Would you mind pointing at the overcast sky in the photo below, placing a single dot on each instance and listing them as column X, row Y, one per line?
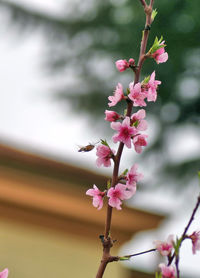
column 29, row 118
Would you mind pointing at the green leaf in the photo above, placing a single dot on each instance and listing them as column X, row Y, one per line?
column 125, row 172
column 158, row 275
column 135, row 123
column 177, row 244
column 127, row 91
column 156, row 45
column 153, row 15
column 146, row 80
column 104, row 142
column 125, row 112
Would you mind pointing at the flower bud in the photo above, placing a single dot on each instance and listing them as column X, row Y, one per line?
column 121, row 65
column 111, row 116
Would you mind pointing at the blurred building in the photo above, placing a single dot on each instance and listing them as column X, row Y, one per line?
column 49, row 228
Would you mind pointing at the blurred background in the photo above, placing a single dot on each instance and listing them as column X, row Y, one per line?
column 57, row 70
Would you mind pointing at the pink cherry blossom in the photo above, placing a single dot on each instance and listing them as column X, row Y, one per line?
column 118, row 95
column 195, row 237
column 160, row 55
column 139, row 141
column 4, row 273
column 133, row 176
column 138, row 118
column 111, row 116
column 116, row 195
column 122, row 65
column 131, row 190
column 167, row 271
column 104, row 154
column 136, row 94
column 97, row 197
column 152, row 87
column 164, row 247
column 125, row 132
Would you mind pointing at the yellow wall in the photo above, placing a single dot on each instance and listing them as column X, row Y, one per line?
column 30, row 252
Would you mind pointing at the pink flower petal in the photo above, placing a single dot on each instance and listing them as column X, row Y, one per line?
column 4, row 273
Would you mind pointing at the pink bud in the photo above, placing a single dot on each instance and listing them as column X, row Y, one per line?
column 121, row 65
column 111, row 116
column 131, row 62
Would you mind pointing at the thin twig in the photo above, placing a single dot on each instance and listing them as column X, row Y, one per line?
column 143, row 3
column 177, row 266
column 151, row 3
column 192, row 217
column 187, row 227
column 140, row 253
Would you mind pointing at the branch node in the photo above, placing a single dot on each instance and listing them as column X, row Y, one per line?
column 148, row 10
column 147, row 27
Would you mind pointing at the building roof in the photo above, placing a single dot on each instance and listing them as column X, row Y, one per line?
column 41, row 191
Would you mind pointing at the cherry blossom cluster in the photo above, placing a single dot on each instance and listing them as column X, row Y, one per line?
column 128, row 128
column 137, row 93
column 121, row 191
column 168, row 248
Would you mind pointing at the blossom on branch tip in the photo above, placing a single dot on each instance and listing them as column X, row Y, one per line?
column 4, row 273
column 111, row 116
column 195, row 237
column 118, row 95
column 160, row 55
column 167, row 271
column 164, row 247
column 137, row 120
column 104, row 154
column 139, row 141
column 133, row 176
column 97, row 197
column 125, row 132
column 116, row 195
column 136, row 94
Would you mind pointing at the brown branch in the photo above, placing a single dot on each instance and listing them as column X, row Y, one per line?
column 148, row 12
column 107, row 241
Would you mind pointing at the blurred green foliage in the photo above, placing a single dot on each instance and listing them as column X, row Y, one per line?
column 88, row 36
